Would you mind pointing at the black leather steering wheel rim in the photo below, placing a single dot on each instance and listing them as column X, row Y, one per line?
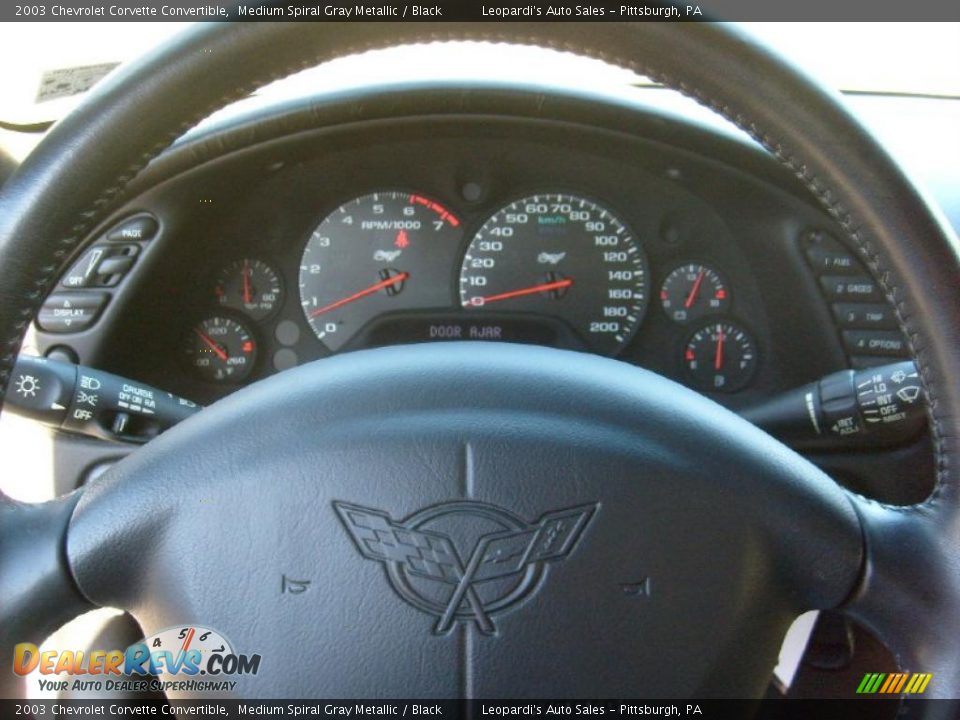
column 910, row 588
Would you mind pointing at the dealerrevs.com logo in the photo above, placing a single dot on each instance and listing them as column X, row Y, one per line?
column 186, row 659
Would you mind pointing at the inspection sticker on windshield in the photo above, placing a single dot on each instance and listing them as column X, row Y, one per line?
column 65, row 82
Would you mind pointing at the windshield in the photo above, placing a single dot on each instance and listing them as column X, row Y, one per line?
column 55, row 63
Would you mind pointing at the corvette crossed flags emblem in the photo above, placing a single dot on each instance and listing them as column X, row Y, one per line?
column 416, row 554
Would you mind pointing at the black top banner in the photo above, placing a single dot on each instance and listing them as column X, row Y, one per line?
column 483, row 11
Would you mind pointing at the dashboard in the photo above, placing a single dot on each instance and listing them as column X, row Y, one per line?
column 433, row 215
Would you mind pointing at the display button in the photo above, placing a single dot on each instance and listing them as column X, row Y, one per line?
column 855, row 288
column 875, row 342
column 70, row 312
column 865, row 315
column 142, row 227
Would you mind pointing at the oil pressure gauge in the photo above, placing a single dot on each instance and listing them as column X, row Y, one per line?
column 720, row 356
column 249, row 286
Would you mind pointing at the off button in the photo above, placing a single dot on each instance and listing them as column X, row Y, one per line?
column 70, row 312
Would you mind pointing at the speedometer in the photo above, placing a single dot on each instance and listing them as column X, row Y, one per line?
column 564, row 257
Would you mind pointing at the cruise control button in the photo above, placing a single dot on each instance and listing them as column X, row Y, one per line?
column 854, row 288
column 865, row 315
column 827, row 255
column 70, row 312
column 875, row 342
column 113, row 269
column 84, row 271
column 125, row 251
column 101, row 266
column 142, row 227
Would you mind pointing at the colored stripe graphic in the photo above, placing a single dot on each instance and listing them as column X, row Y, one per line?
column 918, row 683
column 894, row 683
column 891, row 679
column 869, row 683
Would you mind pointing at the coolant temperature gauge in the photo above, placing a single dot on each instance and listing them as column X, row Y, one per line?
column 220, row 349
column 720, row 357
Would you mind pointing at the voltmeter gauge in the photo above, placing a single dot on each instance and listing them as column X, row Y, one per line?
column 720, row 356
column 251, row 287
column 694, row 291
column 220, row 350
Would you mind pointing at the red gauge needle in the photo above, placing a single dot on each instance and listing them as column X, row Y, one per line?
column 247, row 295
column 398, row 278
column 532, row 290
column 692, row 297
column 187, row 640
column 218, row 351
column 718, row 358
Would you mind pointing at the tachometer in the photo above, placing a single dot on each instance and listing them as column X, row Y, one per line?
column 561, row 256
column 379, row 253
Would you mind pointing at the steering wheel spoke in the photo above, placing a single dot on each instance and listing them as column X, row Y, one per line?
column 908, row 590
column 36, row 584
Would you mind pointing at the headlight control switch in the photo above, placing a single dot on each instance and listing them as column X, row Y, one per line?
column 92, row 402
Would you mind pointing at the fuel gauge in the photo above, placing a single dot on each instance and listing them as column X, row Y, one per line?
column 720, row 357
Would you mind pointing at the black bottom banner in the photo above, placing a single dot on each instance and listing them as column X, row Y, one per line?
column 873, row 709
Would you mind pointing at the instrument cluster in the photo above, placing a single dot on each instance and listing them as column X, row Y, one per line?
column 552, row 267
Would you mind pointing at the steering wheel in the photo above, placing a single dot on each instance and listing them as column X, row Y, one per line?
column 464, row 520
